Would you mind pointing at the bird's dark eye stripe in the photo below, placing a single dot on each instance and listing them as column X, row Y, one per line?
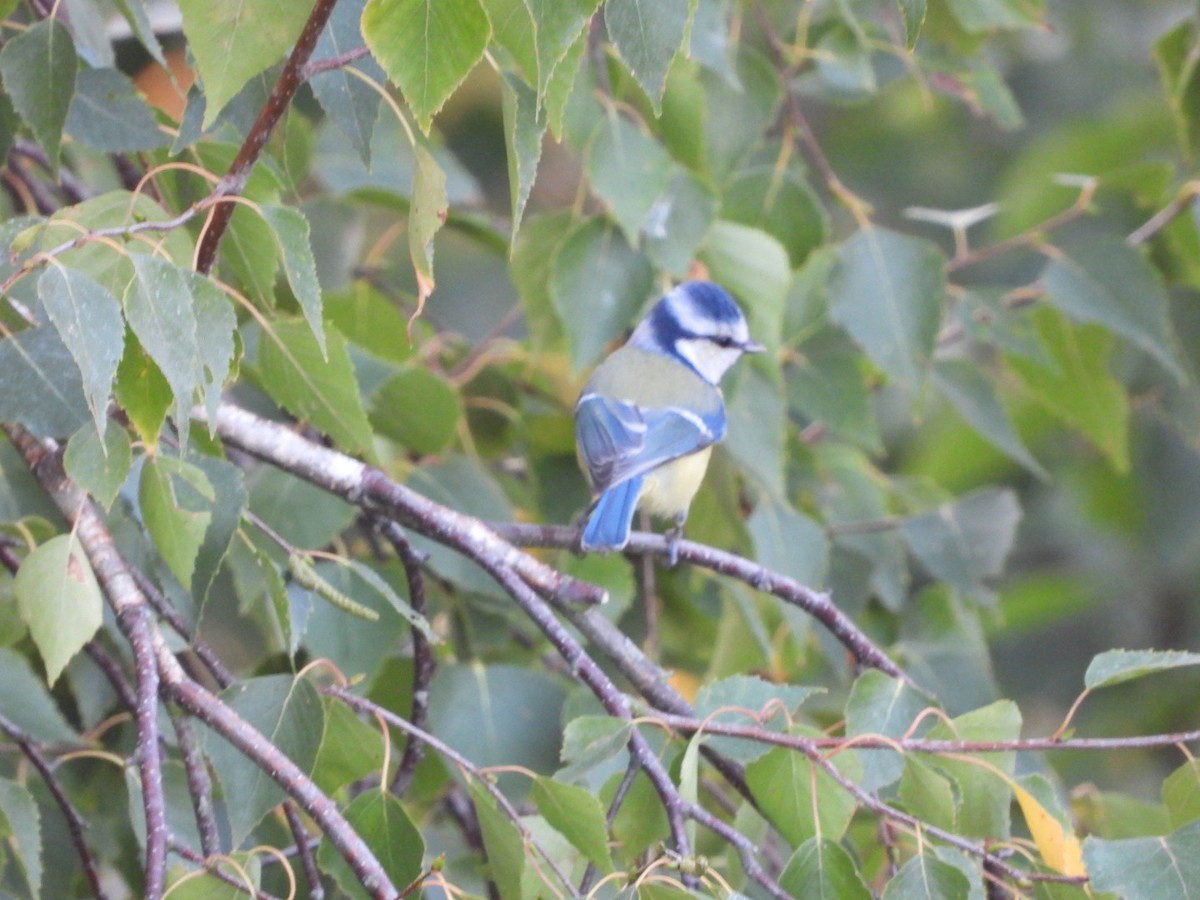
column 722, row 340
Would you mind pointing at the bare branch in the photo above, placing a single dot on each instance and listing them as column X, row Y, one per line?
column 234, row 181
column 75, row 824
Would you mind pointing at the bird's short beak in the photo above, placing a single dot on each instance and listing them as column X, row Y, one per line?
column 753, row 347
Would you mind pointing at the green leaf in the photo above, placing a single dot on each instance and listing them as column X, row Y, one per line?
column 757, row 422
column 229, row 502
column 524, row 127
column 1104, row 280
column 789, row 542
column 711, row 43
column 378, row 817
column 648, row 34
column 215, row 325
column 369, row 320
column 852, row 492
column 972, row 393
column 134, row 12
column 426, row 216
column 27, row 701
column 913, row 13
column 882, row 705
column 417, row 409
column 827, row 384
column 59, row 600
column 288, row 712
column 1077, row 387
column 928, row 794
column 427, row 47
column 741, row 696
column 628, row 169
column 781, row 205
column 577, row 815
column 38, row 68
column 351, row 103
column 143, row 392
column 23, row 832
column 925, row 877
column 821, row 869
column 599, row 282
column 985, row 800
column 290, row 228
column 1181, row 793
column 560, row 89
column 1175, row 53
column 350, row 748
column 591, row 741
column 498, row 714
column 754, row 267
column 176, row 500
column 800, row 798
column 514, row 32
column 466, row 485
column 234, row 40
column 41, row 387
column 1117, row 666
column 734, row 115
column 98, row 464
column 158, row 307
column 541, row 34
column 986, row 15
column 887, row 291
column 1146, row 868
column 678, row 222
column 108, row 113
column 965, row 543
column 502, row 842
column 315, row 386
column 88, row 319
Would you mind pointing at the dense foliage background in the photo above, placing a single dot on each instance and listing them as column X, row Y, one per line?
column 297, row 299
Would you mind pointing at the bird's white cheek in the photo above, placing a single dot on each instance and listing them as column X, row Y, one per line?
column 710, row 360
column 669, row 489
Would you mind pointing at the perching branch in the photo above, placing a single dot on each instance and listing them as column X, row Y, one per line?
column 816, row 603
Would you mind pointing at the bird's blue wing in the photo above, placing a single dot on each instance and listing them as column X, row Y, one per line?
column 619, row 440
column 610, row 521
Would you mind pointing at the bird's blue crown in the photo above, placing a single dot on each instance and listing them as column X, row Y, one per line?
column 689, row 311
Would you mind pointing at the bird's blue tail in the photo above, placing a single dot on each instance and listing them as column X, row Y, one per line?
column 608, row 527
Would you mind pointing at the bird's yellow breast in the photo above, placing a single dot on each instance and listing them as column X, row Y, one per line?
column 669, row 489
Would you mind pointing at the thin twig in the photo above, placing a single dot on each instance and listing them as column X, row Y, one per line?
column 317, row 66
column 196, row 700
column 234, row 181
column 199, row 785
column 75, row 823
column 213, row 868
column 424, row 664
column 362, row 705
column 304, row 850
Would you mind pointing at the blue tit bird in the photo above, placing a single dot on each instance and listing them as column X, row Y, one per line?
column 646, row 421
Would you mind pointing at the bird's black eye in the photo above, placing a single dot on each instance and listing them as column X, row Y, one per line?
column 724, row 341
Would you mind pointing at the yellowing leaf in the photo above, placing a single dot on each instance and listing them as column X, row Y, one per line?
column 1059, row 848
